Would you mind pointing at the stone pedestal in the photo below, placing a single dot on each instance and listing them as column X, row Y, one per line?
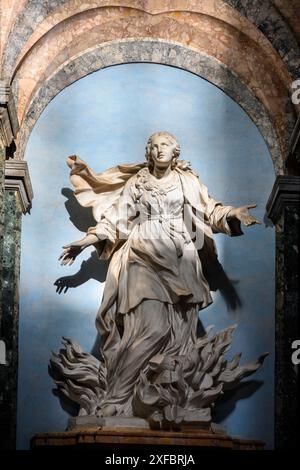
column 141, row 440
column 94, row 422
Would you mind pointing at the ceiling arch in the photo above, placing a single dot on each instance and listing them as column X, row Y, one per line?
column 256, row 41
column 147, row 50
column 261, row 73
column 35, row 18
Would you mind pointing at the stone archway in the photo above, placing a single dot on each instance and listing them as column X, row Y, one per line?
column 153, row 51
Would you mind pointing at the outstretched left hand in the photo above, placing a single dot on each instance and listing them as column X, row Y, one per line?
column 243, row 214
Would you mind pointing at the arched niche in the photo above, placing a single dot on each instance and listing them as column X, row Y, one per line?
column 66, row 312
column 160, row 52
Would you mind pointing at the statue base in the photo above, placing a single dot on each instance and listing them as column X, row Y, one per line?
column 139, row 439
column 95, row 422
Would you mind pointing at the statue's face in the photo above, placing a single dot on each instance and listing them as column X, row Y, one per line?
column 162, row 151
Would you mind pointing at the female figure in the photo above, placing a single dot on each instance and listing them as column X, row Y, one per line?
column 153, row 218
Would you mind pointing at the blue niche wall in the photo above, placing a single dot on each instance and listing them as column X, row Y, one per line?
column 106, row 118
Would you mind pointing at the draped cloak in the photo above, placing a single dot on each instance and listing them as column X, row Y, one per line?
column 170, row 277
column 100, row 191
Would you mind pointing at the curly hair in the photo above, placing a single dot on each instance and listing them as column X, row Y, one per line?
column 171, row 139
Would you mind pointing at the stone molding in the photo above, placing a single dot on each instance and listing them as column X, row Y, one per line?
column 6, row 135
column 17, row 178
column 142, row 439
column 295, row 141
column 286, row 191
column 9, row 125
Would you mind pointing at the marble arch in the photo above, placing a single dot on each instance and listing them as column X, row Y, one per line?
column 148, row 50
column 60, row 32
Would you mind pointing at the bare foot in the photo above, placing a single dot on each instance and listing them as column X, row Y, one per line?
column 108, row 410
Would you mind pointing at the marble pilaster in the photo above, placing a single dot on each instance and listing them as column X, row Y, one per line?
column 2, row 179
column 283, row 210
column 10, row 316
column 3, row 367
column 16, row 199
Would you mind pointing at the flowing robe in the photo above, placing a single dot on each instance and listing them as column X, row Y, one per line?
column 155, row 284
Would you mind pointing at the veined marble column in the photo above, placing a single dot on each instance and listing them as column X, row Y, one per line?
column 15, row 199
column 2, row 172
column 283, row 210
column 3, row 366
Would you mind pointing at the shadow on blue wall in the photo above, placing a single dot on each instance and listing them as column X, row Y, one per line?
column 227, row 404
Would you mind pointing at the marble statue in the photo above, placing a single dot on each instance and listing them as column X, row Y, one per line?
column 153, row 220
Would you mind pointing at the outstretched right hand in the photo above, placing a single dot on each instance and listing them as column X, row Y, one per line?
column 71, row 252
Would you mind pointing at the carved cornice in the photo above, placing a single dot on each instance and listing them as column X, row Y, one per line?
column 6, row 135
column 9, row 125
column 17, row 178
column 285, row 192
column 295, row 141
column 4, row 92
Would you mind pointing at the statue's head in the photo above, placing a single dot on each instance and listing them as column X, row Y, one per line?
column 162, row 149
